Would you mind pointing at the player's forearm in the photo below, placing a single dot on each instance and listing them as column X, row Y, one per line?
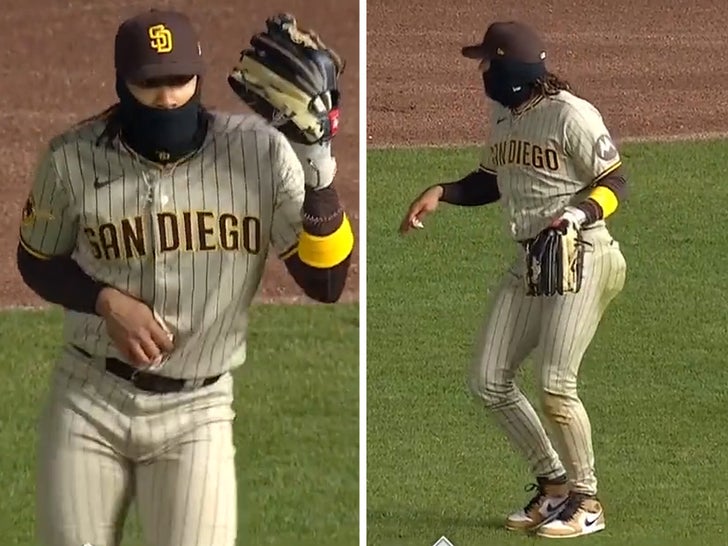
column 604, row 199
column 59, row 280
column 320, row 262
column 476, row 189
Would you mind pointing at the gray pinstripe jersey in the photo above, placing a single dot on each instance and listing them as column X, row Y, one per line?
column 547, row 157
column 190, row 239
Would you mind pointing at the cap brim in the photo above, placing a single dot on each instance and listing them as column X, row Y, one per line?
column 474, row 52
column 163, row 70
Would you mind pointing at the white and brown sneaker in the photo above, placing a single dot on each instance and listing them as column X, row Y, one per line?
column 546, row 504
column 582, row 515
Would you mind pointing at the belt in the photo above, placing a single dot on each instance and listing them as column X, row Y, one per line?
column 150, row 382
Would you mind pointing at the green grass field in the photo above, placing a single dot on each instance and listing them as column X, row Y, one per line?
column 655, row 380
column 297, row 429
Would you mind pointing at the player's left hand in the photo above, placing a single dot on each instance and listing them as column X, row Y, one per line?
column 290, row 77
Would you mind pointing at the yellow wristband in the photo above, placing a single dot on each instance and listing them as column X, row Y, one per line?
column 327, row 251
column 606, row 199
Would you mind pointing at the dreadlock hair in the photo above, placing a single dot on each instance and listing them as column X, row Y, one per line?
column 550, row 84
column 113, row 123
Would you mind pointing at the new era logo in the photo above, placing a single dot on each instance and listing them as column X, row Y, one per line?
column 443, row 541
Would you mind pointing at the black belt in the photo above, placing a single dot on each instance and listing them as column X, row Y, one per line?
column 150, row 382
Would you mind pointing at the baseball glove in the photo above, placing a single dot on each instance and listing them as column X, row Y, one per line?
column 290, row 77
column 554, row 261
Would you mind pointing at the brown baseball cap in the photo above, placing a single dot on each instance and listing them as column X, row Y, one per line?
column 509, row 40
column 155, row 44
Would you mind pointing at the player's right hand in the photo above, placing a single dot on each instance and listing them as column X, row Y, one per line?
column 426, row 203
column 132, row 327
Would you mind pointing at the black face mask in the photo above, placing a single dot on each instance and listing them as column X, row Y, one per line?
column 511, row 83
column 159, row 134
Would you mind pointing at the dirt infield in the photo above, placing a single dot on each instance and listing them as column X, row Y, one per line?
column 57, row 67
column 646, row 65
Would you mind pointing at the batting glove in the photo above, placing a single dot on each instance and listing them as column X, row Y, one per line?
column 571, row 216
column 319, row 166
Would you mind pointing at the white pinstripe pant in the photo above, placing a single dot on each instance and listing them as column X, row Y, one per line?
column 557, row 331
column 103, row 443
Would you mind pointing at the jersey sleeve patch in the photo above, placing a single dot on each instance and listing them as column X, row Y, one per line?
column 31, row 213
column 28, row 213
column 48, row 223
column 605, row 148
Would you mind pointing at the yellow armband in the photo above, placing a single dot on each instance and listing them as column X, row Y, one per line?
column 606, row 199
column 329, row 250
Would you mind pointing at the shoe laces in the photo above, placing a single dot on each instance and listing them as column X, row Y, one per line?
column 573, row 504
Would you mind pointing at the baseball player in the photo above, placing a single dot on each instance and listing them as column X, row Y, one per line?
column 151, row 224
column 551, row 164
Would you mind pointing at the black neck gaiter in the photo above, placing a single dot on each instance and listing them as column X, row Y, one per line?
column 161, row 135
column 511, row 83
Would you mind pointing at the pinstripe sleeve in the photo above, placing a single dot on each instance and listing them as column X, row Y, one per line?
column 48, row 226
column 588, row 142
column 486, row 161
column 487, row 153
column 289, row 194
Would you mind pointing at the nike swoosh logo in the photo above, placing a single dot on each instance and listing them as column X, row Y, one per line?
column 551, row 508
column 590, row 522
column 101, row 183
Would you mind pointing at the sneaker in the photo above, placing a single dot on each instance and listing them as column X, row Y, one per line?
column 546, row 504
column 582, row 515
